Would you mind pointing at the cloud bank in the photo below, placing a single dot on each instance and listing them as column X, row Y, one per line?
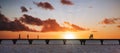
column 49, row 25
column 16, row 25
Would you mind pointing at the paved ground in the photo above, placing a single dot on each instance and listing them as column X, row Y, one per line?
column 58, row 47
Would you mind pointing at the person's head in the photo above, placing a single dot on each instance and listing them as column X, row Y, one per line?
column 91, row 34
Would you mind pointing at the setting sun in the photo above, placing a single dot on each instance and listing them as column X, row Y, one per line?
column 69, row 35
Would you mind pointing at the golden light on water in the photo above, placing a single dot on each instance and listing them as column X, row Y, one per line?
column 69, row 35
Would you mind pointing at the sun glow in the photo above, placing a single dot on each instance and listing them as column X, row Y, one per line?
column 69, row 35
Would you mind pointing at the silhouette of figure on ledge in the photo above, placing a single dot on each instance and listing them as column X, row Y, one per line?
column 19, row 36
column 91, row 36
column 27, row 36
column 37, row 36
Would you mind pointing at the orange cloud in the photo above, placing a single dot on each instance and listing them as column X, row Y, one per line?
column 73, row 27
column 118, row 26
column 51, row 25
column 77, row 28
column 110, row 21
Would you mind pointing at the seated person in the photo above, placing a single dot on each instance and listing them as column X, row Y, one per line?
column 91, row 36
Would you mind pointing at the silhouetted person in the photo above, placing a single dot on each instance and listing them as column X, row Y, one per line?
column 28, row 36
column 37, row 36
column 91, row 36
column 19, row 36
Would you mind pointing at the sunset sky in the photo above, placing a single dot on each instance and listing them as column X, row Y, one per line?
column 100, row 17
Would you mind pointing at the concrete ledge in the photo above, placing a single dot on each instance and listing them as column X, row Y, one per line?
column 56, row 42
column 38, row 42
column 65, row 41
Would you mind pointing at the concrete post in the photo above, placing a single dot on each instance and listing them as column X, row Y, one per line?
column 101, row 42
column 64, row 42
column 14, row 41
column 47, row 41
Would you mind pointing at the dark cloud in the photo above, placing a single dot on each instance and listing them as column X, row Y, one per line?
column 110, row 21
column 16, row 25
column 31, row 20
column 44, row 5
column 23, row 9
column 66, row 2
column 3, row 18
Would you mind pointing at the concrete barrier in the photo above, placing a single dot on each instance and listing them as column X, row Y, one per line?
column 47, row 41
